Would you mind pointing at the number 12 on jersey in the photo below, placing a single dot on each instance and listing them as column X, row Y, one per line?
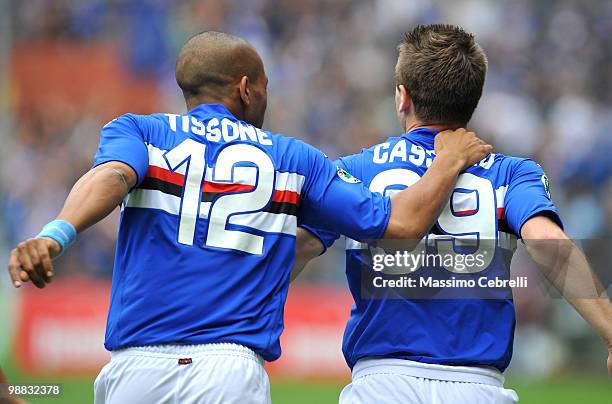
column 193, row 154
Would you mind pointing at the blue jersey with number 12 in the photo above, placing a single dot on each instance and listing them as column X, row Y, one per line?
column 207, row 235
column 492, row 200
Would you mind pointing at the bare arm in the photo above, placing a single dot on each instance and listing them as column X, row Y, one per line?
column 96, row 194
column 307, row 247
column 416, row 209
column 566, row 267
column 421, row 213
column 93, row 197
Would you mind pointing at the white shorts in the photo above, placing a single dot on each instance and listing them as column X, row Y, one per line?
column 399, row 381
column 185, row 374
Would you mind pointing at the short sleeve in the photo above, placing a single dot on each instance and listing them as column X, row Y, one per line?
column 328, row 238
column 528, row 195
column 337, row 202
column 122, row 140
column 351, row 164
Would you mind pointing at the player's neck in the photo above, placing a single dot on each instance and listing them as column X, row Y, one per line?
column 231, row 107
column 410, row 126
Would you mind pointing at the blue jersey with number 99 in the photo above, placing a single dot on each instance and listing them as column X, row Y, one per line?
column 207, row 236
column 436, row 319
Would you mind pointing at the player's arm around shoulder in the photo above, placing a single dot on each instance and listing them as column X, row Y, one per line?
column 95, row 195
column 416, row 209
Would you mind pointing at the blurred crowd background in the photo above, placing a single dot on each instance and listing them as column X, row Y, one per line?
column 67, row 67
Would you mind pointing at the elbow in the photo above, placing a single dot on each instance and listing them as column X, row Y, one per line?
column 118, row 173
column 541, row 227
column 416, row 234
column 404, row 230
column 309, row 249
column 114, row 178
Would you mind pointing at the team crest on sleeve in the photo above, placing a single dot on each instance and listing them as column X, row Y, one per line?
column 546, row 184
column 346, row 177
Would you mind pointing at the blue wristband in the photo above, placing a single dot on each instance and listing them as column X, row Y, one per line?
column 61, row 231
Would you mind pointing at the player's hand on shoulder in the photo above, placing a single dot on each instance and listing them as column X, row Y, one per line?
column 461, row 145
column 31, row 261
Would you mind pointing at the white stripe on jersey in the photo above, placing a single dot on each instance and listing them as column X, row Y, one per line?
column 289, row 182
column 153, row 199
column 242, row 175
column 500, row 195
column 267, row 222
column 263, row 221
column 156, row 158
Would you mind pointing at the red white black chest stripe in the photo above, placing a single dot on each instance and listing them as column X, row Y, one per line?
column 162, row 189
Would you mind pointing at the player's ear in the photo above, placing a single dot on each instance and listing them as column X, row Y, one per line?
column 404, row 101
column 245, row 92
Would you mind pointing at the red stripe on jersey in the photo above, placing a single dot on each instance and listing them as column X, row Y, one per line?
column 500, row 213
column 466, row 212
column 286, row 196
column 220, row 187
column 166, row 175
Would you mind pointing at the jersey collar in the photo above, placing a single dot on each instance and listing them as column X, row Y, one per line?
column 204, row 111
column 424, row 134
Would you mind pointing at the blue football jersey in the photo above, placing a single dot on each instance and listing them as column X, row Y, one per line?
column 491, row 201
column 207, row 236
